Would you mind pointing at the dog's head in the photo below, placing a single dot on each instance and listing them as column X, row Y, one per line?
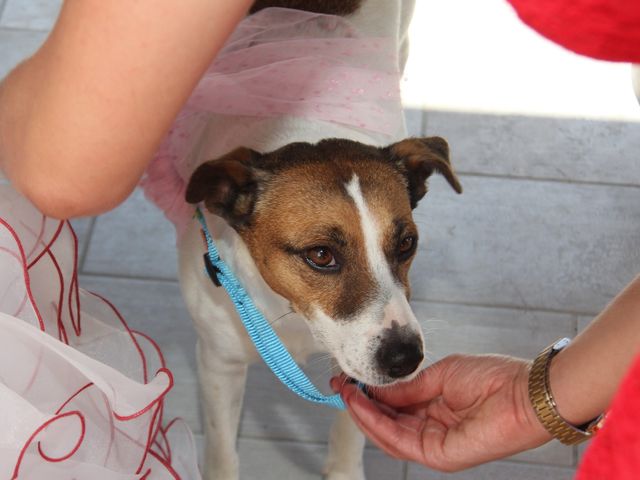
column 330, row 228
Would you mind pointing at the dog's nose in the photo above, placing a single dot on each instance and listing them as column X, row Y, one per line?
column 398, row 356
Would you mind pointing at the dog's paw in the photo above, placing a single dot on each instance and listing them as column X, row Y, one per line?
column 355, row 475
column 221, row 474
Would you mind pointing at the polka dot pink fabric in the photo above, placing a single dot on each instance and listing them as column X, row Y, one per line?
column 283, row 62
column 267, row 69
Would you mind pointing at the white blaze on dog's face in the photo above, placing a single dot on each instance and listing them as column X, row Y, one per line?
column 330, row 228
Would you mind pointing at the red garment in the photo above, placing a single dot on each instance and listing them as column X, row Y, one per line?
column 614, row 453
column 607, row 30
column 603, row 29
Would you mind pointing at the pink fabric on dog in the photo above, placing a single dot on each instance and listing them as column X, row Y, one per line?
column 282, row 62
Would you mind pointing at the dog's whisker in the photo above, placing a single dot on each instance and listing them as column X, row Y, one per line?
column 430, row 357
column 322, row 374
column 432, row 325
column 281, row 317
column 320, row 358
column 435, row 323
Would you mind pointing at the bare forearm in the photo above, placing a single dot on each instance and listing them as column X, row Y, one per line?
column 80, row 120
column 586, row 374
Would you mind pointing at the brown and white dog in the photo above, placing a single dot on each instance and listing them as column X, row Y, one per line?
column 314, row 224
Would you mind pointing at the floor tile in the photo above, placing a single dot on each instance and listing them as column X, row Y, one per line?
column 495, row 471
column 451, row 328
column 552, row 453
column 584, row 321
column 531, row 244
column 268, row 460
column 556, row 148
column 156, row 308
column 414, row 120
column 30, row 14
column 582, row 449
column 272, row 411
column 16, row 45
column 134, row 240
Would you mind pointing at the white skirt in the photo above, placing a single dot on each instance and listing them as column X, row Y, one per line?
column 81, row 394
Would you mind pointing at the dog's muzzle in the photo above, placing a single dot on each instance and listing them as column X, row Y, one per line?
column 400, row 352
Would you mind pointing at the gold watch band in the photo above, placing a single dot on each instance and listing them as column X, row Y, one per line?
column 545, row 406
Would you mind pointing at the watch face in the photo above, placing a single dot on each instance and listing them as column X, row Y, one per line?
column 560, row 344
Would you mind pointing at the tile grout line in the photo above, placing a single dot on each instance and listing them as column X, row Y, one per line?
column 9, row 28
column 549, row 180
column 3, row 4
column 576, row 325
column 531, row 463
column 122, row 276
column 506, row 307
column 87, row 243
column 373, row 448
column 424, row 131
column 297, row 441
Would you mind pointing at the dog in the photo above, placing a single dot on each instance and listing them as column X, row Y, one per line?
column 314, row 218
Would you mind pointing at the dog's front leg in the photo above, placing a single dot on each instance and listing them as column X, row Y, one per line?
column 222, row 383
column 346, row 445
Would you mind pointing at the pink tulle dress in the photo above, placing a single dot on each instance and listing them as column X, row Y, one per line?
column 81, row 394
column 283, row 76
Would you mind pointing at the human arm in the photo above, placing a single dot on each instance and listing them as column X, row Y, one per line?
column 586, row 374
column 466, row 410
column 81, row 118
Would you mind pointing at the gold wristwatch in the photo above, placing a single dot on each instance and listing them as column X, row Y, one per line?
column 545, row 405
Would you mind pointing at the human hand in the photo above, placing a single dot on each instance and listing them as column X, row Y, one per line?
column 459, row 412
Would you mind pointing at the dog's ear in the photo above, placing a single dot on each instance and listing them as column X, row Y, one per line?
column 228, row 186
column 417, row 159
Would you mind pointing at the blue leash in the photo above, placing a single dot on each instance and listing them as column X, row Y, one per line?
column 265, row 339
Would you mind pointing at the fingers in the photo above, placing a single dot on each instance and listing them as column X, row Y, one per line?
column 427, row 385
column 399, row 435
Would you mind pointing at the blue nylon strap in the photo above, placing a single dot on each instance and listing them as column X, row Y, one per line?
column 265, row 339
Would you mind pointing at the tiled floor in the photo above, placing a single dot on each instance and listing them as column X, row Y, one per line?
column 547, row 231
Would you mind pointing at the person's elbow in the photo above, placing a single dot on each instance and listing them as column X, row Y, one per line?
column 65, row 195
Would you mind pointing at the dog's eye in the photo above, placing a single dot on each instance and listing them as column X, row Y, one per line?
column 406, row 247
column 321, row 258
